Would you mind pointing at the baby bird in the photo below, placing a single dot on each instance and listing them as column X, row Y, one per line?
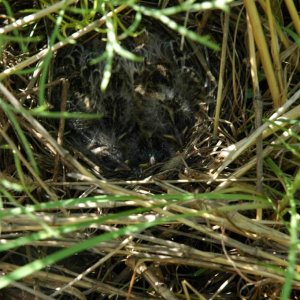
column 146, row 109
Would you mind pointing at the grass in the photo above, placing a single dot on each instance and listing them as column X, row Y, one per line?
column 223, row 212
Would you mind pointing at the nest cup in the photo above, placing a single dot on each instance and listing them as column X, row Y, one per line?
column 146, row 114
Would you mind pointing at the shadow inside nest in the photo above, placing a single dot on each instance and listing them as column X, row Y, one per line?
column 147, row 112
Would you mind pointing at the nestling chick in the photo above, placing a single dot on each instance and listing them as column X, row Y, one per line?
column 146, row 108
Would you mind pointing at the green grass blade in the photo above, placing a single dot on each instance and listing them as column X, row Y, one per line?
column 7, row 109
column 59, row 255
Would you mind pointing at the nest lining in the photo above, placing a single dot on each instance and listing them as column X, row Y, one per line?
column 148, row 110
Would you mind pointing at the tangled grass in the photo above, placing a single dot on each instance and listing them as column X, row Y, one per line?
column 216, row 220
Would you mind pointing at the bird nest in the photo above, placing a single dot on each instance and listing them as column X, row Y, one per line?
column 149, row 118
column 110, row 188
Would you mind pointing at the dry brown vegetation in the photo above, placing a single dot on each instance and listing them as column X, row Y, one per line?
column 212, row 213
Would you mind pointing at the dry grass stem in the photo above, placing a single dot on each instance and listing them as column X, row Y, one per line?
column 264, row 53
column 36, row 16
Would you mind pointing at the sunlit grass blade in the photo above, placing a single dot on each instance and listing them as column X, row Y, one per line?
column 56, row 232
column 59, row 255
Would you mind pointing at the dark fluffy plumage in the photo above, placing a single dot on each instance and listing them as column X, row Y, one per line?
column 146, row 107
